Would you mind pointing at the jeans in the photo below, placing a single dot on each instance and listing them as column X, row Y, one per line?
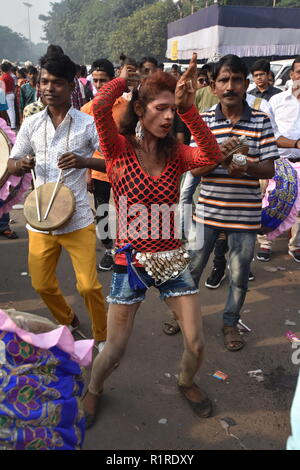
column 10, row 98
column 241, row 249
column 4, row 222
column 122, row 293
column 188, row 188
column 102, row 196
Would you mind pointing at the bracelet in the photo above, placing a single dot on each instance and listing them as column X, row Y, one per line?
column 296, row 143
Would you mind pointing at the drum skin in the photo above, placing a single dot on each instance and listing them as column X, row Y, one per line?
column 61, row 211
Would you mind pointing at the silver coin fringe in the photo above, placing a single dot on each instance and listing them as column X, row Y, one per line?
column 164, row 265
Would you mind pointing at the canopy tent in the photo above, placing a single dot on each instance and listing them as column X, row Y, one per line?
column 244, row 31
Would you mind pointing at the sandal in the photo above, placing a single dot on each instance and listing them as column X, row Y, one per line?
column 90, row 418
column 232, row 338
column 171, row 327
column 74, row 325
column 203, row 408
column 10, row 234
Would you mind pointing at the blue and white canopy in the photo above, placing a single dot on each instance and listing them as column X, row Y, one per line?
column 244, row 31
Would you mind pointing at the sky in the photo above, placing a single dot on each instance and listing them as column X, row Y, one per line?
column 15, row 15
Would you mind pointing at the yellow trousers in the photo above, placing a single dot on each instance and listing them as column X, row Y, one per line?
column 44, row 253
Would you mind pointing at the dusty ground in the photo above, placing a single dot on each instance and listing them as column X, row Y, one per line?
column 143, row 390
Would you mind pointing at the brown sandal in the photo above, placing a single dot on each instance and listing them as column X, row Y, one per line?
column 232, row 338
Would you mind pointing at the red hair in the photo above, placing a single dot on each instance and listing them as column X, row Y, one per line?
column 154, row 84
column 150, row 87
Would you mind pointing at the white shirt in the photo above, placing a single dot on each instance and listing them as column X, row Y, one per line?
column 285, row 118
column 90, row 79
column 14, row 78
column 288, row 85
column 263, row 105
column 83, row 141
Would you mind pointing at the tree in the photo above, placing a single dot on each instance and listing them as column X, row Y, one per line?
column 13, row 46
column 288, row 3
column 82, row 28
column 144, row 32
column 61, row 24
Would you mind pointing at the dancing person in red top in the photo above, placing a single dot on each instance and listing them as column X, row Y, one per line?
column 144, row 164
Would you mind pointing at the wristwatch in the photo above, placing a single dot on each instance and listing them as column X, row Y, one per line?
column 240, row 160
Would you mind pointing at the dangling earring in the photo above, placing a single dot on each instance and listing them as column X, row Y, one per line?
column 139, row 131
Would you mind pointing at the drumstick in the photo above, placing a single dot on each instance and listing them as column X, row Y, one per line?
column 36, row 196
column 53, row 195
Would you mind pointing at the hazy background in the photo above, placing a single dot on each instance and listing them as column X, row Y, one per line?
column 14, row 15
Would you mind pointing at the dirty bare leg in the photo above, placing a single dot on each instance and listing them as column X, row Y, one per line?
column 120, row 319
column 186, row 309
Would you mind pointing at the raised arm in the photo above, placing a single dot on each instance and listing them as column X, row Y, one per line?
column 110, row 139
column 207, row 154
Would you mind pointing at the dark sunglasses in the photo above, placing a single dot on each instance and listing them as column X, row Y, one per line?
column 202, row 80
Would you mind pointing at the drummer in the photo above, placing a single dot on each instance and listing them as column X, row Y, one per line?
column 5, row 230
column 51, row 135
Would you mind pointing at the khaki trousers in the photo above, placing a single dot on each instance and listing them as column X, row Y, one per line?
column 44, row 253
column 294, row 241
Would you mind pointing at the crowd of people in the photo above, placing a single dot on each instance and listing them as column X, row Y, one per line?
column 152, row 137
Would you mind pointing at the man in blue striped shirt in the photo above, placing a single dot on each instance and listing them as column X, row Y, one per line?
column 230, row 197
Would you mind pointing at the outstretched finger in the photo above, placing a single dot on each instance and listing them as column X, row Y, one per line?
column 190, row 75
column 192, row 68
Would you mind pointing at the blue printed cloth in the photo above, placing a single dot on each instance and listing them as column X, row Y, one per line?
column 40, row 393
column 282, row 198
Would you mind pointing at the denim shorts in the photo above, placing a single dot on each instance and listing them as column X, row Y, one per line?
column 122, row 293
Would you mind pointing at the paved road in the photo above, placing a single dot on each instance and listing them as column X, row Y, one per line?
column 143, row 390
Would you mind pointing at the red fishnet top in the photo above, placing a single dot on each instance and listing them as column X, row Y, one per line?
column 138, row 195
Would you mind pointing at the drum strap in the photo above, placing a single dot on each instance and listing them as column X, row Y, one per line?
column 46, row 148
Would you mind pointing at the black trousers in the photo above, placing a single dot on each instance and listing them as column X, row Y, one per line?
column 102, row 196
